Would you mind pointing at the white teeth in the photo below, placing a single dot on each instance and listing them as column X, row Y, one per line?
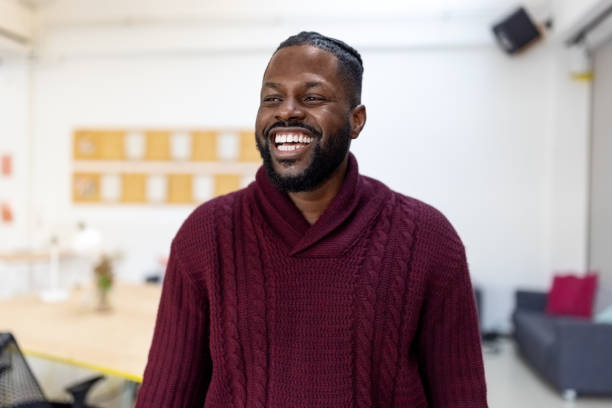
column 291, row 138
column 286, row 148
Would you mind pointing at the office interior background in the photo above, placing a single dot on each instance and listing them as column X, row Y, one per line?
column 502, row 144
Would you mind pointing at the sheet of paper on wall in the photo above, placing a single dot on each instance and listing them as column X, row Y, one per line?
column 203, row 188
column 180, row 146
column 228, row 146
column 135, row 145
column 157, row 187
column 6, row 165
column 86, row 145
column 86, row 187
column 111, row 188
column 6, row 213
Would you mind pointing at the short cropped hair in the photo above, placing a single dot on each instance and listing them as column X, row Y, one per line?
column 350, row 64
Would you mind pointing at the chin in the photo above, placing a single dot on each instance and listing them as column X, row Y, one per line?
column 289, row 170
column 292, row 167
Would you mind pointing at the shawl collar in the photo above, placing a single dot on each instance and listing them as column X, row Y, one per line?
column 359, row 200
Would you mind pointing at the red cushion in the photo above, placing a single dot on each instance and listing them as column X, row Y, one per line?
column 572, row 295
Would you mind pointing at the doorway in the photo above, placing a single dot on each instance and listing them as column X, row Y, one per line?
column 600, row 228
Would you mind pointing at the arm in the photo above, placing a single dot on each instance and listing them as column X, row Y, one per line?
column 450, row 355
column 179, row 366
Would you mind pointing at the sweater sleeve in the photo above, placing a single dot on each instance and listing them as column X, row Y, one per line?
column 179, row 367
column 450, row 354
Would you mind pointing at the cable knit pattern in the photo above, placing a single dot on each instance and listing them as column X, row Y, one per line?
column 404, row 219
column 366, row 295
column 369, row 307
column 257, row 318
column 360, row 381
column 234, row 357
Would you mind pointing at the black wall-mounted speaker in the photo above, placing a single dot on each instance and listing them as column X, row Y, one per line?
column 517, row 31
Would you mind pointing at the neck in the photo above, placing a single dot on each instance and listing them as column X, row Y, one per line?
column 313, row 203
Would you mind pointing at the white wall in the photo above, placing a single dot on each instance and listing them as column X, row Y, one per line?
column 497, row 143
column 14, row 72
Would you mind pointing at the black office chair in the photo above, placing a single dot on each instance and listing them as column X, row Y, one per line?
column 19, row 388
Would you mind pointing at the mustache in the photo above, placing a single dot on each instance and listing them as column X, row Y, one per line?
column 293, row 124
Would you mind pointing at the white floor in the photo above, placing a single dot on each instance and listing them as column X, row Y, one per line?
column 512, row 384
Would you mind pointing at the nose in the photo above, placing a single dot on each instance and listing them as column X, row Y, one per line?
column 289, row 110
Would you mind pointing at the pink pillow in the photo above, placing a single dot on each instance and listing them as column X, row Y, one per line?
column 571, row 295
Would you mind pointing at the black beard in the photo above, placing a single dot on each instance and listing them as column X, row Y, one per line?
column 324, row 160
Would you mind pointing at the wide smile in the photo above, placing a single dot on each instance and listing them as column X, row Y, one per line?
column 290, row 144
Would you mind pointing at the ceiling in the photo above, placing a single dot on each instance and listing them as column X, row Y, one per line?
column 89, row 8
column 34, row 4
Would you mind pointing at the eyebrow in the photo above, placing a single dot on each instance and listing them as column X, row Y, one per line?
column 273, row 85
column 308, row 85
column 313, row 84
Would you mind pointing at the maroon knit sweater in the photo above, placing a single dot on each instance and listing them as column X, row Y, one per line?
column 371, row 306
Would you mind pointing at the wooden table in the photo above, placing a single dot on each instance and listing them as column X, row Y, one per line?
column 29, row 257
column 114, row 342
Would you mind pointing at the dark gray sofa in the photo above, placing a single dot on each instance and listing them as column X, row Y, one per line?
column 574, row 354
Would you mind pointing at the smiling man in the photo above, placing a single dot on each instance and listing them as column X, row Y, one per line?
column 315, row 286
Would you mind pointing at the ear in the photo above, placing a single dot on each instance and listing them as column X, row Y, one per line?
column 358, row 120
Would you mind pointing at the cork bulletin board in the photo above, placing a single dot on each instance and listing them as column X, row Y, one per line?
column 160, row 166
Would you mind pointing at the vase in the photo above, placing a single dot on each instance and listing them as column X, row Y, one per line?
column 103, row 299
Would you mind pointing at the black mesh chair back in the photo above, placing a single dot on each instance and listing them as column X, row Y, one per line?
column 18, row 386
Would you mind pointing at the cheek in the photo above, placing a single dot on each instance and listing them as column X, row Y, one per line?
column 333, row 122
column 259, row 123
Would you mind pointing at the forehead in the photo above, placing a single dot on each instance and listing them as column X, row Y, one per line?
column 302, row 62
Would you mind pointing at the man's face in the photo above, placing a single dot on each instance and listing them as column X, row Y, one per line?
column 303, row 127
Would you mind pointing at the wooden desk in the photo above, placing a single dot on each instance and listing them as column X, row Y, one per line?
column 114, row 342
column 29, row 257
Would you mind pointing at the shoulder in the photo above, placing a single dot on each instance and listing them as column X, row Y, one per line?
column 437, row 254
column 422, row 221
column 432, row 232
column 197, row 233
column 435, row 226
column 425, row 216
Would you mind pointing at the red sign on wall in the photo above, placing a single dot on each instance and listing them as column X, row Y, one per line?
column 6, row 214
column 6, row 165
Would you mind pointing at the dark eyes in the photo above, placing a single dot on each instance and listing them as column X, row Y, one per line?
column 314, row 98
column 271, row 99
column 306, row 99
